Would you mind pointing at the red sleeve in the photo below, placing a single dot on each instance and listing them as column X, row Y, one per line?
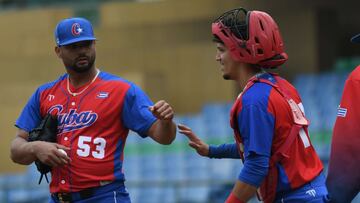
column 344, row 175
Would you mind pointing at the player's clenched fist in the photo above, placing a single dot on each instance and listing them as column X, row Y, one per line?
column 162, row 110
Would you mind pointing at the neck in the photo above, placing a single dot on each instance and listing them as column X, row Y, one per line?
column 245, row 73
column 80, row 79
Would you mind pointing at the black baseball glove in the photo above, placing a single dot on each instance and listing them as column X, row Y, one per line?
column 46, row 131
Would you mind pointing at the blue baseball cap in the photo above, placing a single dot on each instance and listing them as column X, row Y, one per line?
column 73, row 30
column 355, row 39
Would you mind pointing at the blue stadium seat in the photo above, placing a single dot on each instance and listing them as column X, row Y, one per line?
column 174, row 166
column 216, row 117
column 3, row 181
column 197, row 167
column 17, row 181
column 132, row 167
column 18, row 195
column 3, row 196
column 134, row 193
column 39, row 195
column 151, row 167
column 193, row 194
column 225, row 169
column 149, row 195
column 167, row 194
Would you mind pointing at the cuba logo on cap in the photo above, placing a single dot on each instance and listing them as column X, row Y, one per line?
column 76, row 30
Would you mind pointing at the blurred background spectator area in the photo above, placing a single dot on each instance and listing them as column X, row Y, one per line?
column 165, row 47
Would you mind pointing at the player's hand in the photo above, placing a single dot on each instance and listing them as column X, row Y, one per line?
column 162, row 110
column 49, row 154
column 194, row 141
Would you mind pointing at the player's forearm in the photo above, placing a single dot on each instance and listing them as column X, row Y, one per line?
column 224, row 151
column 22, row 152
column 163, row 131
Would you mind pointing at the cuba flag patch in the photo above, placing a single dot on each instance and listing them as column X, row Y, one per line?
column 341, row 112
column 103, row 95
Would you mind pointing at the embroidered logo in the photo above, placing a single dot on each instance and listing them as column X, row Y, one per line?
column 311, row 192
column 73, row 120
column 51, row 97
column 102, row 95
column 76, row 30
column 341, row 112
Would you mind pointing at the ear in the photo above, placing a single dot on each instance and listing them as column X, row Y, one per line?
column 58, row 51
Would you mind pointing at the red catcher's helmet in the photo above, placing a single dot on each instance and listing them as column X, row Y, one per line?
column 255, row 40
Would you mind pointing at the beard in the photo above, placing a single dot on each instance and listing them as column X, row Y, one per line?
column 226, row 77
column 79, row 68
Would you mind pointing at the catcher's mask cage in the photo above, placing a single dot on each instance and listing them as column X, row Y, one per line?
column 251, row 36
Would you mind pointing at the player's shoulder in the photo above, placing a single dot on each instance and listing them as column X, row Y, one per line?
column 257, row 94
column 355, row 74
column 287, row 86
column 51, row 84
column 118, row 82
column 261, row 93
column 108, row 77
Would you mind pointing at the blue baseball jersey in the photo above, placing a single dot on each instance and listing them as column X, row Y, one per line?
column 93, row 124
column 263, row 123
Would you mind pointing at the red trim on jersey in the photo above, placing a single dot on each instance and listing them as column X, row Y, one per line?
column 301, row 164
column 233, row 199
